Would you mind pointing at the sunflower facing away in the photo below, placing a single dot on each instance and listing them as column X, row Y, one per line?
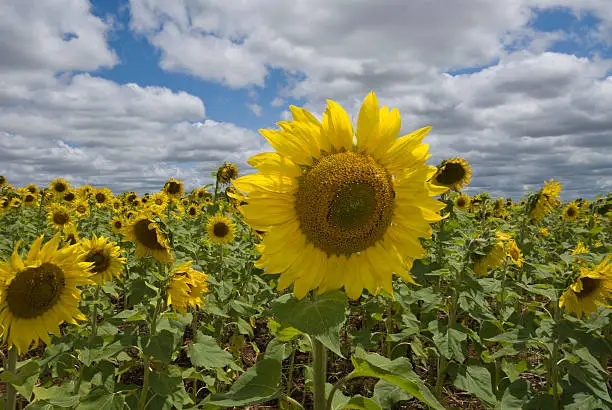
column 186, row 288
column 220, row 230
column 226, row 173
column 453, row 173
column 341, row 209
column 149, row 239
column 40, row 293
column 592, row 288
column 106, row 257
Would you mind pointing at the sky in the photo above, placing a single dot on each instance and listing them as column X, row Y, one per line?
column 129, row 93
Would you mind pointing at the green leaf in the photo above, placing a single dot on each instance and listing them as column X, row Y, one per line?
column 589, row 377
column 169, row 388
column 24, row 378
column 282, row 332
column 206, row 353
column 513, row 370
column 321, row 318
column 514, row 396
column 100, row 398
column 56, row 395
column 161, row 346
column 448, row 341
column 259, row 384
column 388, row 394
column 398, row 372
column 363, row 403
column 475, row 380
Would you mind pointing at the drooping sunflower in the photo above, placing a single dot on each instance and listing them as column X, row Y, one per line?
column 341, row 209
column 571, row 211
column 220, row 230
column 453, row 173
column 494, row 258
column 41, row 292
column 102, row 197
column 144, row 231
column 226, row 173
column 592, row 288
column 186, row 288
column 543, row 202
column 462, row 202
column 59, row 216
column 59, row 186
column 106, row 257
column 174, row 188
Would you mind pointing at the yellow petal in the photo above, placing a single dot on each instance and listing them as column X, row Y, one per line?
column 337, row 126
column 273, row 162
column 368, row 124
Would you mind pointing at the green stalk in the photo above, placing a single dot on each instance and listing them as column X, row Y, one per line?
column 319, row 367
column 554, row 368
column 291, row 365
column 11, row 393
column 94, row 314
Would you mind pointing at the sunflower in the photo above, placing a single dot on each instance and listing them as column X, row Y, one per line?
column 81, row 208
column 220, row 229
column 30, row 200
column 544, row 231
column 202, row 193
column 106, row 257
column 117, row 205
column 174, row 188
column 341, row 209
column 69, row 196
column 71, row 235
column 571, row 211
column 543, row 202
column 102, row 197
column 86, row 192
column 32, row 188
column 462, row 202
column 453, row 173
column 158, row 202
column 116, row 224
column 186, row 288
column 494, row 258
column 131, row 196
column 149, row 239
column 59, row 217
column 15, row 202
column 592, row 288
column 515, row 254
column 41, row 292
column 193, row 211
column 59, row 186
column 226, row 173
column 2, row 181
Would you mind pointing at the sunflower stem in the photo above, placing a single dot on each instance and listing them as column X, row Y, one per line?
column 554, row 368
column 11, row 392
column 319, row 367
column 94, row 315
column 291, row 366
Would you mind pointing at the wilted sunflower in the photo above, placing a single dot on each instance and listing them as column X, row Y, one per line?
column 592, row 288
column 226, row 173
column 148, row 237
column 453, row 173
column 41, row 292
column 462, row 202
column 59, row 186
column 341, row 209
column 116, row 224
column 106, row 257
column 174, row 188
column 59, row 217
column 542, row 203
column 102, row 197
column 571, row 211
column 220, row 229
column 186, row 288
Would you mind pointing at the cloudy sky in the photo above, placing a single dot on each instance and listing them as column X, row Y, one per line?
column 127, row 94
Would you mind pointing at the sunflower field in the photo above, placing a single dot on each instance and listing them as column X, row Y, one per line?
column 346, row 273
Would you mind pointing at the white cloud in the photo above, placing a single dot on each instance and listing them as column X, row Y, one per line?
column 277, row 102
column 256, row 109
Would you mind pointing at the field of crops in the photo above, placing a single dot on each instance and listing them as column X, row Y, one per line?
column 275, row 289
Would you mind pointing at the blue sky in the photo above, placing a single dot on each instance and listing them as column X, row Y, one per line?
column 128, row 93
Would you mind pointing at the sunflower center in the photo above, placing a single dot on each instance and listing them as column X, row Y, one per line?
column 146, row 236
column 59, row 187
column 118, row 224
column 61, row 218
column 192, row 211
column 173, row 188
column 29, row 198
column 451, row 174
column 461, row 202
column 100, row 198
column 35, row 290
column 589, row 285
column 81, row 209
column 69, row 197
column 344, row 203
column 220, row 229
column 571, row 212
column 100, row 260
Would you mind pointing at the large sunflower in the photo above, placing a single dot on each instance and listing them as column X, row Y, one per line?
column 59, row 217
column 220, row 229
column 186, row 288
column 592, row 288
column 453, row 173
column 341, row 209
column 149, row 239
column 106, row 257
column 40, row 293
